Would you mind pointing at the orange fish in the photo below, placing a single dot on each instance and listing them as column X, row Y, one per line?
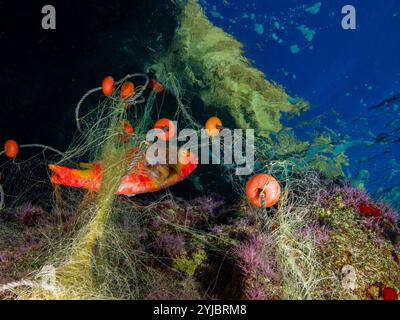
column 142, row 178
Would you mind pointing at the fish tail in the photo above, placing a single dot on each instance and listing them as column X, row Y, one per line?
column 87, row 179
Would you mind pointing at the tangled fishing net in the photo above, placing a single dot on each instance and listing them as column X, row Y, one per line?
column 82, row 244
column 72, row 273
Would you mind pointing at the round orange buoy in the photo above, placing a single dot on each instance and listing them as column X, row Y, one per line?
column 156, row 86
column 168, row 129
column 11, row 148
column 127, row 90
column 263, row 185
column 213, row 126
column 128, row 129
column 108, row 86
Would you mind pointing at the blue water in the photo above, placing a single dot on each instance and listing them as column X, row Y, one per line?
column 342, row 73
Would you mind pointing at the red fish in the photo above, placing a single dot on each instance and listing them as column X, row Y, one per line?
column 142, row 178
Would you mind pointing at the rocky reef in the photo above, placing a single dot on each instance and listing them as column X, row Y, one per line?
column 333, row 243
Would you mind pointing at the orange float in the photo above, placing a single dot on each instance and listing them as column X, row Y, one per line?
column 263, row 185
column 128, row 129
column 168, row 129
column 108, row 86
column 127, row 90
column 213, row 126
column 11, row 149
column 156, row 86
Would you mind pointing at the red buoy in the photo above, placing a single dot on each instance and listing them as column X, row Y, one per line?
column 167, row 127
column 127, row 90
column 128, row 129
column 263, row 186
column 11, row 148
column 108, row 86
column 156, row 86
column 213, row 126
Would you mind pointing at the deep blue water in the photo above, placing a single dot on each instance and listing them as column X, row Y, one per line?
column 342, row 73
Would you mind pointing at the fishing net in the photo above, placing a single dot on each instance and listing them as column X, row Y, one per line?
column 90, row 256
column 99, row 245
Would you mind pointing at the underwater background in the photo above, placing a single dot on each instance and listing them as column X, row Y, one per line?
column 312, row 221
column 351, row 78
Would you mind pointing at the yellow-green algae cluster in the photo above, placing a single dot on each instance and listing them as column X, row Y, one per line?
column 188, row 264
column 211, row 62
column 319, row 154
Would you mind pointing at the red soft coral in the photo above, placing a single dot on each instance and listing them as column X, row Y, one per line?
column 369, row 211
column 389, row 294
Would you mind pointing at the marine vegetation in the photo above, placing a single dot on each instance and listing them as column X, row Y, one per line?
column 208, row 60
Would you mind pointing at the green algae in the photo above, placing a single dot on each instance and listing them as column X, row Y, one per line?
column 295, row 49
column 259, row 29
column 314, row 9
column 189, row 264
column 209, row 61
column 307, row 32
